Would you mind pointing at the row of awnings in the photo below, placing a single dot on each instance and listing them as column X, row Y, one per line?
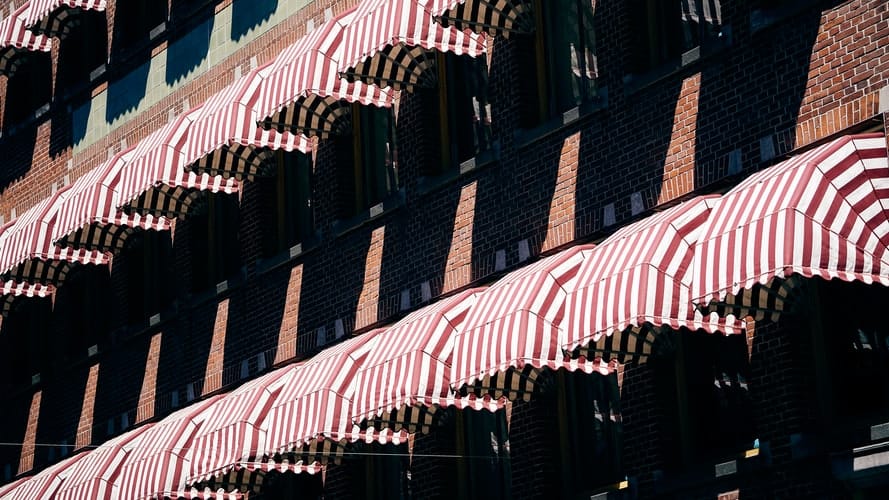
column 823, row 213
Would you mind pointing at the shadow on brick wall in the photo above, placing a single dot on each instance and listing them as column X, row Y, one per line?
column 132, row 25
column 126, row 93
column 188, row 52
column 249, row 14
column 60, row 410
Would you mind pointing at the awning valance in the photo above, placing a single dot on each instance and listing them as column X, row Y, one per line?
column 512, row 331
column 249, row 477
column 27, row 252
column 90, row 478
column 45, row 483
column 52, row 16
column 312, row 410
column 155, row 460
column 634, row 283
column 89, row 217
column 196, row 494
column 224, row 138
column 387, row 41
column 485, row 16
column 823, row 213
column 405, row 376
column 158, row 176
column 230, row 430
column 10, row 290
column 15, row 39
column 303, row 91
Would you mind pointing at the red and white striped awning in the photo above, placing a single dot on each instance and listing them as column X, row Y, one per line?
column 304, row 93
column 387, row 43
column 485, row 16
column 313, row 408
column 512, row 331
column 52, row 16
column 10, row 290
column 158, row 174
column 155, row 459
column 196, row 494
column 224, row 138
column 15, row 39
column 823, row 213
column 405, row 376
column 249, row 477
column 637, row 281
column 230, row 430
column 89, row 217
column 27, row 252
column 44, row 484
column 90, row 478
column 6, row 488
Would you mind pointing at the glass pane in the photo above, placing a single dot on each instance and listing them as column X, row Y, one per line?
column 378, row 154
column 572, row 52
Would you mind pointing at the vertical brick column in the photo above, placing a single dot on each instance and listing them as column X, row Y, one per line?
column 562, row 207
column 85, row 423
column 287, row 333
column 367, row 311
column 679, row 165
column 458, row 267
column 145, row 410
column 26, row 462
column 216, row 355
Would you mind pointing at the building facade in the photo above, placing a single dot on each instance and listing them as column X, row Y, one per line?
column 425, row 159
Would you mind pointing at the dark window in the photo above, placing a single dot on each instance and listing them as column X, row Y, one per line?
column 149, row 275
column 589, row 432
column 290, row 202
column 25, row 336
column 384, row 472
column 83, row 51
column 483, row 444
column 703, row 388
column 214, row 244
column 462, row 112
column 666, row 29
column 82, row 304
column 28, row 89
column 133, row 22
column 370, row 163
column 562, row 53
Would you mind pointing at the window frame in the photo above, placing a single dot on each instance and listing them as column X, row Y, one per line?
column 290, row 225
column 149, row 280
column 357, row 200
column 217, row 236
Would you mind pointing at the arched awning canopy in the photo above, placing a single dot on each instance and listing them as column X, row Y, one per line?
column 494, row 17
column 16, row 41
column 54, row 17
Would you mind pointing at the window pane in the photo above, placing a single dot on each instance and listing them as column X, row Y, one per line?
column 571, row 52
column 378, row 154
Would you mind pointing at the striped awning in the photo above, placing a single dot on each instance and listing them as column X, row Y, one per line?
column 10, row 291
column 822, row 213
column 15, row 40
column 224, row 138
column 53, row 17
column 158, row 175
column 27, row 252
column 6, row 488
column 405, row 376
column 155, row 459
column 196, row 494
column 45, row 483
column 485, row 16
column 304, row 93
column 89, row 217
column 512, row 331
column 312, row 411
column 388, row 43
column 90, row 478
column 636, row 282
column 249, row 477
column 230, row 430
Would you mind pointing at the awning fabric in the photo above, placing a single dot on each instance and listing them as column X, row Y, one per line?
column 224, row 138
column 634, row 283
column 304, row 93
column 822, row 213
column 230, row 430
column 27, row 253
column 6, row 488
column 485, row 16
column 405, row 376
column 512, row 331
column 51, row 16
column 249, row 477
column 90, row 478
column 157, row 173
column 155, row 459
column 14, row 39
column 10, row 290
column 89, row 217
column 387, row 43
column 313, row 408
column 195, row 494
column 44, row 484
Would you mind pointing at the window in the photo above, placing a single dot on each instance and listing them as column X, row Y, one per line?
column 703, row 389
column 82, row 305
column 483, row 445
column 289, row 195
column 666, row 29
column 590, row 432
column 84, row 50
column 564, row 67
column 384, row 472
column 462, row 112
column 215, row 247
column 370, row 171
column 133, row 22
column 25, row 336
column 28, row 89
column 149, row 274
